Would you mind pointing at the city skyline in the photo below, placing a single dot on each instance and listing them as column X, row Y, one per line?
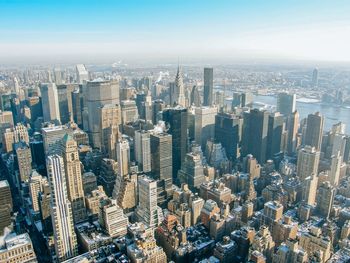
column 174, row 131
column 192, row 30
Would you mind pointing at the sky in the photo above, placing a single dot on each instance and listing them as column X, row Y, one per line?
column 170, row 29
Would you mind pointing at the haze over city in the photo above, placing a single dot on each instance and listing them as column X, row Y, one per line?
column 174, row 131
column 226, row 31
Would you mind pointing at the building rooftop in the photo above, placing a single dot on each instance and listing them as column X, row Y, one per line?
column 4, row 183
column 12, row 241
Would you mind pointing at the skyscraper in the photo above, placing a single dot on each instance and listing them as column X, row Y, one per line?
column 72, row 165
column 204, row 125
column 109, row 122
column 108, row 175
column 77, row 106
column 177, row 90
column 176, row 121
column 148, row 211
column 162, row 162
column 314, row 130
column 123, row 157
column 286, row 103
column 308, row 160
column 158, row 106
column 61, row 211
column 195, row 98
column 52, row 136
column 228, row 131
column 292, row 131
column 98, row 94
column 24, row 161
column 191, row 171
column 129, row 111
column 6, row 205
column 325, row 199
column 309, row 189
column 36, row 182
column 64, row 95
column 208, row 87
column 255, row 128
column 82, row 74
column 336, row 162
column 112, row 218
column 274, row 134
column 58, row 76
column 49, row 101
column 144, row 105
column 142, row 151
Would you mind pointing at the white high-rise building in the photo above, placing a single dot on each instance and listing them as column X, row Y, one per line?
column 177, row 90
column 339, row 142
column 112, row 218
column 143, row 150
column 308, row 160
column 58, row 76
column 123, row 157
column 49, row 101
column 82, row 74
column 36, row 183
column 336, row 161
column 61, row 211
column 204, row 125
column 148, row 211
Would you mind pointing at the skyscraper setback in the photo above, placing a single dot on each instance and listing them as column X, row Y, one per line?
column 98, row 94
column 61, row 211
column 72, row 167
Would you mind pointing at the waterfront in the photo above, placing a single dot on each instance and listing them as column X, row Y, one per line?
column 332, row 114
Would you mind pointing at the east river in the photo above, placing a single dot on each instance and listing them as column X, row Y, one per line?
column 331, row 113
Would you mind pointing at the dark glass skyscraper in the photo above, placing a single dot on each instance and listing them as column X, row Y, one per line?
column 255, row 128
column 314, row 130
column 208, row 87
column 228, row 131
column 64, row 93
column 286, row 103
column 176, row 120
column 162, row 164
column 77, row 106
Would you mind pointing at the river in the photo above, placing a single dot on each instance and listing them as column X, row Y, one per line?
column 332, row 114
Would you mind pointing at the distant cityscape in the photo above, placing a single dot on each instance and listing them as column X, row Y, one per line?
column 174, row 163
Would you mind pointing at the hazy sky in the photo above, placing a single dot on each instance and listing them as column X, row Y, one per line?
column 295, row 29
